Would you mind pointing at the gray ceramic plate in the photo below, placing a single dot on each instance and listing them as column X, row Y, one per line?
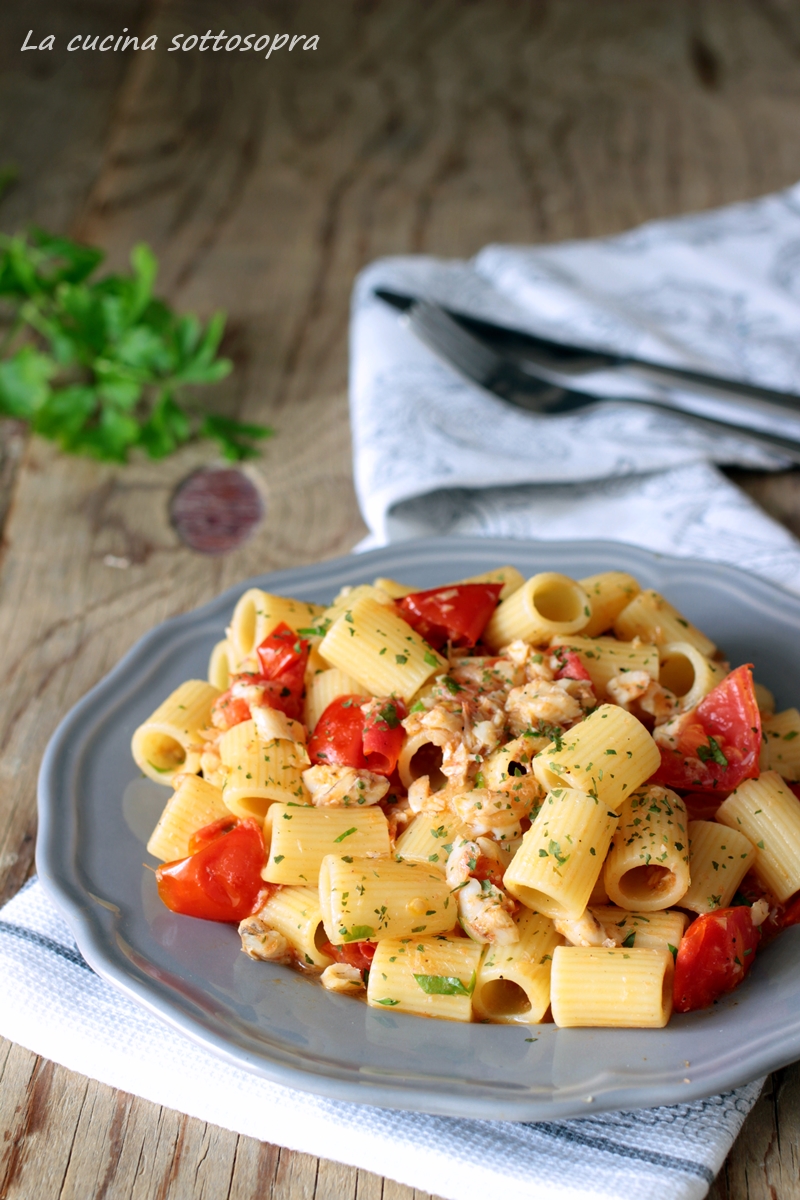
column 96, row 816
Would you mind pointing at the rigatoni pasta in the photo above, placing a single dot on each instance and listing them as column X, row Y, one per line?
column 648, row 865
column 542, row 802
column 169, row 742
column 373, row 644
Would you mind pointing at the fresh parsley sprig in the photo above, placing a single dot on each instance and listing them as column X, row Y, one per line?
column 99, row 365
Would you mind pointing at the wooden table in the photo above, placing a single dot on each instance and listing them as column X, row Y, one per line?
column 264, row 186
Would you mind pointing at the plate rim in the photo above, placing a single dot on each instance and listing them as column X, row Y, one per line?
column 60, row 875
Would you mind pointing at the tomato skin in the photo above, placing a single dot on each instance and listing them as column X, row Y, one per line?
column 457, row 614
column 210, row 833
column 338, row 737
column 221, row 880
column 229, row 710
column 715, row 954
column 355, row 954
column 702, row 806
column 281, row 651
column 284, row 694
column 382, row 738
column 571, row 666
column 728, row 714
column 283, row 657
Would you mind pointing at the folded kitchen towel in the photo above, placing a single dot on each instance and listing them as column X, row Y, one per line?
column 436, row 454
column 53, row 1003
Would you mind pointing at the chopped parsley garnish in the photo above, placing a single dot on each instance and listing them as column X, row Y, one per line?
column 712, row 752
column 445, row 985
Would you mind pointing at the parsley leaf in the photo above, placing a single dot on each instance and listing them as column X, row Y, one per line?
column 99, row 365
column 712, row 752
column 445, row 985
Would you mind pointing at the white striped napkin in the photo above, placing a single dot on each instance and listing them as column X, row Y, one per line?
column 53, row 1003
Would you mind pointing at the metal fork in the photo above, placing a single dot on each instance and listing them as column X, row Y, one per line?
column 501, row 375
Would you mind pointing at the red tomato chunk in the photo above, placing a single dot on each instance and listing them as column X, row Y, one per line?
column 368, row 738
column 457, row 614
column 338, row 737
column 715, row 954
column 720, row 748
column 355, row 954
column 221, row 879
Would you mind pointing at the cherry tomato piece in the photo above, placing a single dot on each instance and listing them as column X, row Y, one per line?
column 702, row 806
column 382, row 737
column 355, row 954
column 720, row 747
column 229, row 710
column 571, row 666
column 210, row 833
column 281, row 650
column 221, row 881
column 284, row 694
column 338, row 737
column 715, row 954
column 457, row 614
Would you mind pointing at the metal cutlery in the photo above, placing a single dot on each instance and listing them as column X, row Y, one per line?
column 503, row 375
column 544, row 357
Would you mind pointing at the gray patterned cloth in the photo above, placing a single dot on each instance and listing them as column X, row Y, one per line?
column 435, row 454
column 53, row 1003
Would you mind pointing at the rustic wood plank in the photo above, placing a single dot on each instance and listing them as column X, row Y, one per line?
column 264, row 187
column 254, row 1170
column 38, row 90
column 779, row 494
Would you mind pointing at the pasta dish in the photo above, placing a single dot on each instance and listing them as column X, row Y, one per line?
column 499, row 800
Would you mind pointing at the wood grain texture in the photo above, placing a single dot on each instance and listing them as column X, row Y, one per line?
column 264, row 186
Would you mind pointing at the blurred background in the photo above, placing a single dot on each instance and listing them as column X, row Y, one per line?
column 263, row 186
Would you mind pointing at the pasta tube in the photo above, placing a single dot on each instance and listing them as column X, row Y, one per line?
column 376, row 646
column 561, row 856
column 768, row 814
column 194, row 805
column 719, row 859
column 687, row 673
column 169, row 742
column 511, row 579
column 258, row 772
column 257, row 613
column 648, row 865
column 430, row 838
column 219, row 666
column 513, row 984
column 392, row 588
column 781, row 750
column 420, row 756
column 609, row 592
column 368, row 899
column 299, row 838
column 618, row 988
column 349, row 596
column 609, row 755
column 295, row 912
column 545, row 605
column 653, row 619
column 323, row 689
column 605, row 657
column 429, row 976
